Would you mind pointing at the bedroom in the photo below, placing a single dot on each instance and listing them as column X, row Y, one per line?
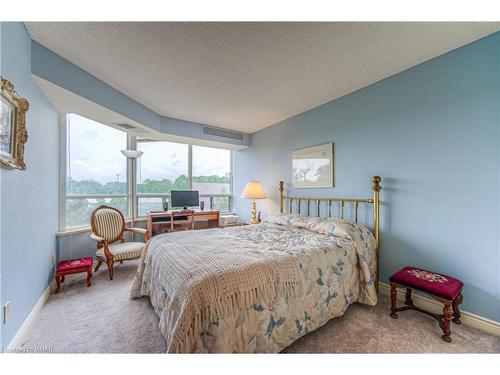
column 258, row 187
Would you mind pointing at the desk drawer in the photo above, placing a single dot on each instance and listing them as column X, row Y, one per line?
column 206, row 217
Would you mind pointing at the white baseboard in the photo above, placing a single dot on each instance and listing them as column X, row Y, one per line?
column 16, row 341
column 473, row 320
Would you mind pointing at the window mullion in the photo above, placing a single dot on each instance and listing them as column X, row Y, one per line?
column 231, row 174
column 63, row 146
column 190, row 166
column 131, row 178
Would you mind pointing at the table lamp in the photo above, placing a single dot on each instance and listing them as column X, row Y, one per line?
column 253, row 190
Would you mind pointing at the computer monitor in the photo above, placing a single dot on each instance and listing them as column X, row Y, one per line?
column 184, row 198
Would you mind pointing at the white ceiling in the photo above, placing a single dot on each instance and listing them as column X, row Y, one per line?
column 247, row 76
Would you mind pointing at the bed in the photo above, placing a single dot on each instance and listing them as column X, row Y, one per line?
column 258, row 288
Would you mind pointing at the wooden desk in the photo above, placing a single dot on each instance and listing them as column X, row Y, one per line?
column 161, row 221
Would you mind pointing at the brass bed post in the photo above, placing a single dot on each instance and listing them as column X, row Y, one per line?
column 281, row 196
column 376, row 203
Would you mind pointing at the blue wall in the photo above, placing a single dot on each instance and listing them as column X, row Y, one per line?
column 28, row 198
column 432, row 133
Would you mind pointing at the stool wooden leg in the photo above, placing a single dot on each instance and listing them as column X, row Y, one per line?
column 408, row 300
column 447, row 313
column 62, row 279
column 58, row 284
column 394, row 296
column 89, row 275
column 456, row 310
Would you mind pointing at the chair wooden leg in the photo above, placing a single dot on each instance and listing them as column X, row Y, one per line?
column 58, row 284
column 447, row 313
column 109, row 262
column 394, row 296
column 456, row 309
column 99, row 262
column 89, row 275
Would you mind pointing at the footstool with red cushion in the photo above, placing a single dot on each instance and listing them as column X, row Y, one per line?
column 444, row 288
column 69, row 267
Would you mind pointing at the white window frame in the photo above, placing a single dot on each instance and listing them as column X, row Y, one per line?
column 131, row 195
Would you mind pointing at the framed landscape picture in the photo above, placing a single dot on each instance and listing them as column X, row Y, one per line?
column 312, row 167
column 13, row 134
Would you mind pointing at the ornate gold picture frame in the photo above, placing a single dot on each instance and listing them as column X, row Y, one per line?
column 13, row 133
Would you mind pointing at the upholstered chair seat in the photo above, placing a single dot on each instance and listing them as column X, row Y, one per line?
column 108, row 227
column 123, row 251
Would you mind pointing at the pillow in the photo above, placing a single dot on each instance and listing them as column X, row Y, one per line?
column 321, row 225
column 281, row 219
column 301, row 221
column 340, row 228
column 328, row 226
column 325, row 226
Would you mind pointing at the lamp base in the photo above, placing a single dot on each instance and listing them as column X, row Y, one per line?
column 254, row 214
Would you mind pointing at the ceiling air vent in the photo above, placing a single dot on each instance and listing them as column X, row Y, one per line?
column 125, row 126
column 223, row 133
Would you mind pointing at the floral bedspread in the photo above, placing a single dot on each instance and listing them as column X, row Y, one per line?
column 339, row 269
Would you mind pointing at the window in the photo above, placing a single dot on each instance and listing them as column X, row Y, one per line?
column 212, row 176
column 211, row 170
column 96, row 171
column 163, row 167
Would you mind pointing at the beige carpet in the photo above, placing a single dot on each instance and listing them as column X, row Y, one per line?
column 102, row 319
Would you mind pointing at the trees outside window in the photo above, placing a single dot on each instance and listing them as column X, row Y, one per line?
column 163, row 167
column 211, row 170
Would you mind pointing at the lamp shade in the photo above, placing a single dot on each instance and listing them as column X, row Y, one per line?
column 253, row 190
column 133, row 154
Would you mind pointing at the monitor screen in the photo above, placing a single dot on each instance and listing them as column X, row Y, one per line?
column 184, row 198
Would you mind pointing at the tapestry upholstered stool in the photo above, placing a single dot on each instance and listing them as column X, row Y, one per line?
column 68, row 267
column 445, row 289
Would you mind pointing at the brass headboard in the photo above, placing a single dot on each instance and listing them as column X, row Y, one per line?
column 375, row 201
